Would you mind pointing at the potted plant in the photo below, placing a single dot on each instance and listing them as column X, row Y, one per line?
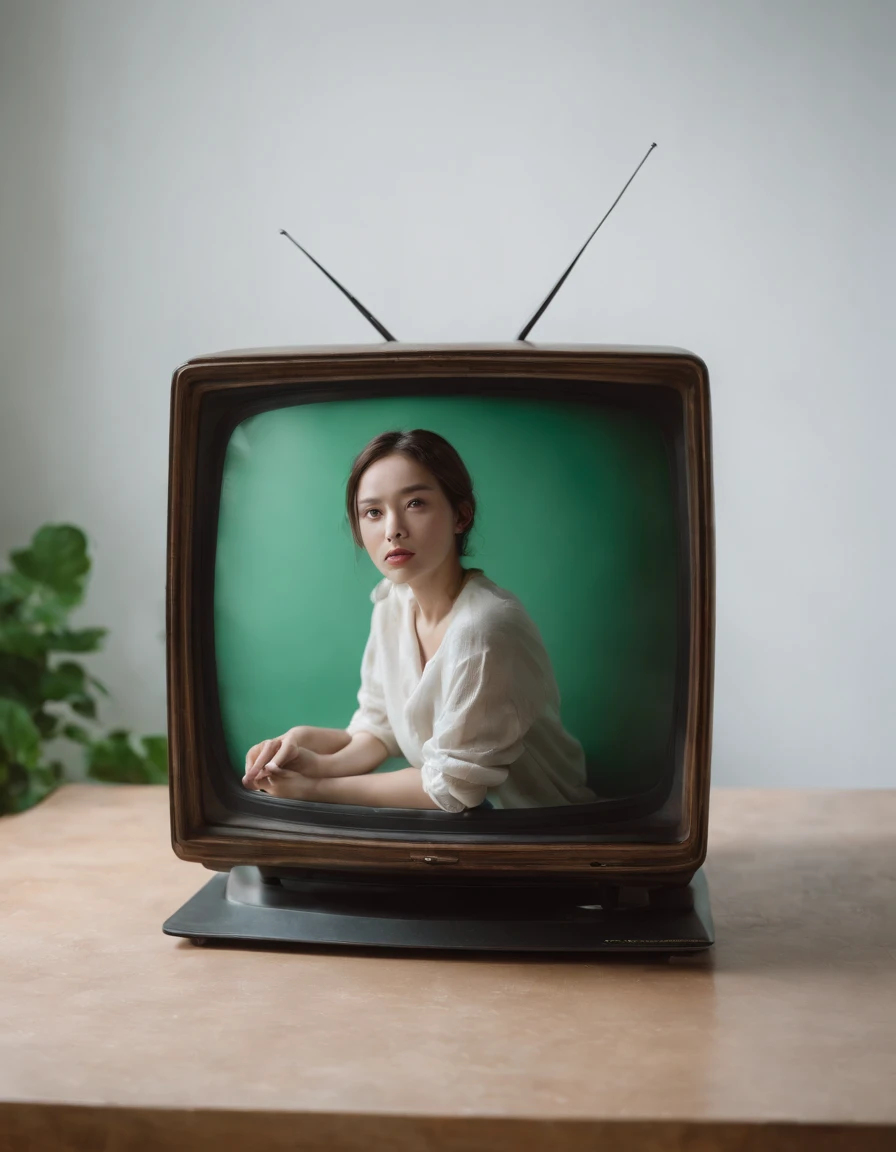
column 46, row 693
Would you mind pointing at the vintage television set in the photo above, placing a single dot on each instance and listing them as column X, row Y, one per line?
column 592, row 470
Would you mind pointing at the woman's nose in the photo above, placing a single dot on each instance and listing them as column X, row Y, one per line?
column 394, row 525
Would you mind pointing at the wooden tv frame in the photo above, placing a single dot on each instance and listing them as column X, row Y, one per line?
column 201, row 833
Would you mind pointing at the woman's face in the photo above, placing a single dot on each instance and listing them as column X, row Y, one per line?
column 400, row 505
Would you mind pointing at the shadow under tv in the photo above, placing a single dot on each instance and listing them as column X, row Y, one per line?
column 620, row 875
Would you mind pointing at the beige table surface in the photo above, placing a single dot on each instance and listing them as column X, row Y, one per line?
column 781, row 1036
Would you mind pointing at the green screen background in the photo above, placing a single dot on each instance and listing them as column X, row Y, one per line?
column 575, row 517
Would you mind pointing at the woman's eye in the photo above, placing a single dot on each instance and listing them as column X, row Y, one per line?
column 416, row 500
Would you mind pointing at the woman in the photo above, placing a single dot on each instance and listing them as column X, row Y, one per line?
column 455, row 676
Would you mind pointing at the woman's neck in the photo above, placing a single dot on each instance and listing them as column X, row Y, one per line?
column 436, row 594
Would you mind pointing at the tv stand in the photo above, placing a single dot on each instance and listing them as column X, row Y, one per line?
column 302, row 907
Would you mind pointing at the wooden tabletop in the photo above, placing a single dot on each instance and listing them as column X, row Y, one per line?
column 782, row 1036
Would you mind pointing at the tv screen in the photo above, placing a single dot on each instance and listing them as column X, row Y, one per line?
column 593, row 535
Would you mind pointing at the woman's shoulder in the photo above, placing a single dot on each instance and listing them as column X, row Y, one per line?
column 491, row 597
column 493, row 610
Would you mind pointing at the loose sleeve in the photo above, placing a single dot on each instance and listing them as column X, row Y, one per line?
column 497, row 690
column 370, row 715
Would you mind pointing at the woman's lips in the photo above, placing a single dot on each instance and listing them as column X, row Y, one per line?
column 399, row 558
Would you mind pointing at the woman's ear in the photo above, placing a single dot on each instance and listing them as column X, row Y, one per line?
column 463, row 518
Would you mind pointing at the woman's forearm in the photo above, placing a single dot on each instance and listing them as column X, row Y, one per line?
column 362, row 754
column 400, row 789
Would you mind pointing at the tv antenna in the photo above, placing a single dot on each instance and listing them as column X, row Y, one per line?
column 383, row 331
column 553, row 292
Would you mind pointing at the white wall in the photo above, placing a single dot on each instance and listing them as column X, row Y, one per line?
column 446, row 161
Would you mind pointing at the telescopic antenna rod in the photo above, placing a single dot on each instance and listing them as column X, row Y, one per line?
column 553, row 292
column 383, row 331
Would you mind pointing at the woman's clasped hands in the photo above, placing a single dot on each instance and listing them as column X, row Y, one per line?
column 282, row 767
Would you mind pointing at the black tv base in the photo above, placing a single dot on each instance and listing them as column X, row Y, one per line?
column 245, row 906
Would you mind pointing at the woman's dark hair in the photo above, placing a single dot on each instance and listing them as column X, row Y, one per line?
column 435, row 454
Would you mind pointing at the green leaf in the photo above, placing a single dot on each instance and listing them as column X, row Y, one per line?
column 47, row 612
column 155, row 750
column 63, row 681
column 20, row 679
column 115, row 760
column 77, row 733
column 19, row 737
column 58, row 558
column 47, row 725
column 84, row 706
column 34, row 788
column 85, row 640
column 99, row 685
column 46, row 776
column 17, row 639
column 14, row 796
column 14, row 588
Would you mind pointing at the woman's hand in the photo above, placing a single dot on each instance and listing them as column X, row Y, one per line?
column 281, row 754
column 288, row 784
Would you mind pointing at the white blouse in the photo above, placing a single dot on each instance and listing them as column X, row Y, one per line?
column 482, row 718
